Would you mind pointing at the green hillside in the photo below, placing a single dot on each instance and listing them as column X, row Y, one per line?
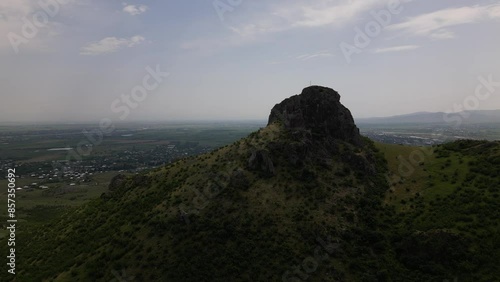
column 173, row 225
column 445, row 213
column 303, row 199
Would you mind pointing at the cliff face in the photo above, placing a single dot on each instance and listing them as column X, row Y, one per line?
column 317, row 110
column 318, row 127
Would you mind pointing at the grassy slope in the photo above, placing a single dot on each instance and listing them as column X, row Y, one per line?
column 39, row 207
column 454, row 189
column 256, row 229
column 439, row 221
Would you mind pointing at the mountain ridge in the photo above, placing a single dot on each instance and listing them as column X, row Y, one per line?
column 470, row 117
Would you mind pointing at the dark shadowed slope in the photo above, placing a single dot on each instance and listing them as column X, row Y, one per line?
column 301, row 199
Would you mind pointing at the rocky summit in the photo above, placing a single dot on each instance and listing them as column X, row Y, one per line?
column 317, row 127
column 318, row 110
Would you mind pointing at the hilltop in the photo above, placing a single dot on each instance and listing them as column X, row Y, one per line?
column 252, row 209
column 305, row 198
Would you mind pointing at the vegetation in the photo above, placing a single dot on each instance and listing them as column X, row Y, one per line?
column 214, row 218
column 447, row 225
column 36, row 207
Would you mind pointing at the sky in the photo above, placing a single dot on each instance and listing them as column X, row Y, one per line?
column 89, row 60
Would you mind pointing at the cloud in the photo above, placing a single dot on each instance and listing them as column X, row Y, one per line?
column 494, row 12
column 442, row 34
column 306, row 57
column 436, row 24
column 305, row 14
column 135, row 10
column 110, row 45
column 252, row 30
column 338, row 14
column 397, row 48
column 289, row 15
column 15, row 14
column 17, row 8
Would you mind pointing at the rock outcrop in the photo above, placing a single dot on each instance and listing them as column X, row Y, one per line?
column 317, row 110
column 261, row 161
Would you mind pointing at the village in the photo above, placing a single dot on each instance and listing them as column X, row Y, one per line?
column 44, row 175
column 425, row 135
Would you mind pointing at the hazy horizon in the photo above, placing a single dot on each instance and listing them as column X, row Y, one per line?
column 218, row 61
column 174, row 121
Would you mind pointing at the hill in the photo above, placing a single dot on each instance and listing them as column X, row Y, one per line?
column 305, row 198
column 444, row 208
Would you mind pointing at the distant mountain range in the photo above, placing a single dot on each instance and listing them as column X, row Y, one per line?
column 467, row 117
